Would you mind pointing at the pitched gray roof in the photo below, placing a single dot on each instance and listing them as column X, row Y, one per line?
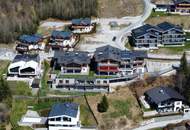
column 143, row 30
column 181, row 1
column 160, row 27
column 69, row 57
column 161, row 94
column 107, row 52
column 30, row 39
column 140, row 54
column 61, row 34
column 68, row 109
column 82, row 21
column 166, row 26
column 133, row 54
column 26, row 57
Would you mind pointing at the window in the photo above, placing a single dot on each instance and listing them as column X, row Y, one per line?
column 105, row 81
column 66, row 119
column 52, row 119
column 67, row 81
column 60, row 81
column 58, row 119
column 98, row 82
column 77, row 71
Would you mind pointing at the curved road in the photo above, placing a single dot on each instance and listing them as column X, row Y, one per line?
column 120, row 40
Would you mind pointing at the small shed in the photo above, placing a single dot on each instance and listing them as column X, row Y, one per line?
column 113, row 24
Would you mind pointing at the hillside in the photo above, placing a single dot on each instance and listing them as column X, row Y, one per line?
column 119, row 8
column 23, row 16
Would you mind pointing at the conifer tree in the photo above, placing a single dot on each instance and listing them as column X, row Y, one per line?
column 184, row 69
column 103, row 105
column 4, row 90
column 186, row 91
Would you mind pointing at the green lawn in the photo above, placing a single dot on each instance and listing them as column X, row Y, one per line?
column 19, row 88
column 19, row 108
column 121, row 108
column 44, row 89
column 157, row 129
column 58, row 92
column 90, row 76
column 187, row 35
column 160, row 14
column 3, row 66
column 173, row 50
column 86, row 116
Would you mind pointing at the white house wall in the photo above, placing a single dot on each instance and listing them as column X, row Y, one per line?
column 87, row 29
column 74, row 121
column 14, row 65
column 23, row 65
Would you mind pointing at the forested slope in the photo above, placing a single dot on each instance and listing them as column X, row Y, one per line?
column 23, row 16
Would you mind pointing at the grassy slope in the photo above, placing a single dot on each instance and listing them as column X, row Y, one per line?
column 20, row 88
column 121, row 8
column 123, row 107
column 3, row 66
column 158, row 17
column 173, row 50
column 19, row 108
column 44, row 89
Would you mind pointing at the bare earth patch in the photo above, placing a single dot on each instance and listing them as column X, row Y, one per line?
column 8, row 46
column 119, row 8
column 123, row 113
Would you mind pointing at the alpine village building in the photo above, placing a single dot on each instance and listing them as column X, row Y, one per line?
column 121, row 65
column 150, row 37
column 63, row 39
column 72, row 62
column 64, row 116
column 25, row 65
column 165, row 99
column 107, row 60
column 26, row 43
column 113, row 61
column 181, row 7
column 82, row 26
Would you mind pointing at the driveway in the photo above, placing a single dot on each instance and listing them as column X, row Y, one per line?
column 148, row 6
column 104, row 35
column 163, row 121
column 7, row 54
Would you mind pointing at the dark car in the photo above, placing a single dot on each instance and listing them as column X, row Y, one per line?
column 114, row 38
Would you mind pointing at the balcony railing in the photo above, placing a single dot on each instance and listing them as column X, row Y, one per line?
column 107, row 64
